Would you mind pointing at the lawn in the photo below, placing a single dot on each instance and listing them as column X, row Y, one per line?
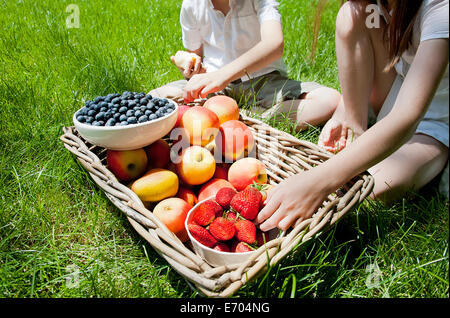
column 55, row 222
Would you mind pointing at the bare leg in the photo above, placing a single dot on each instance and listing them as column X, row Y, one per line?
column 362, row 58
column 314, row 108
column 411, row 167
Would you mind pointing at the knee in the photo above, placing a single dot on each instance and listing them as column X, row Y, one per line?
column 325, row 96
column 350, row 19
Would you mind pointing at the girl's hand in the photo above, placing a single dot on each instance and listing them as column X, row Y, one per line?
column 192, row 69
column 201, row 85
column 338, row 134
column 293, row 200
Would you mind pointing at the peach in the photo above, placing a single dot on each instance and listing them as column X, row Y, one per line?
column 127, row 165
column 173, row 212
column 196, row 166
column 235, row 140
column 156, row 185
column 187, row 195
column 201, row 125
column 225, row 107
column 158, row 154
column 212, row 187
column 245, row 171
column 181, row 110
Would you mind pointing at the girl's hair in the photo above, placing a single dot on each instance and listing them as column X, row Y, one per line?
column 397, row 33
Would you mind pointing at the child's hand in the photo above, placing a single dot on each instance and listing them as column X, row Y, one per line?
column 338, row 134
column 201, row 85
column 192, row 67
column 293, row 200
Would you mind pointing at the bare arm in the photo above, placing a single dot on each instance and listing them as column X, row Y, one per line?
column 299, row 196
column 268, row 50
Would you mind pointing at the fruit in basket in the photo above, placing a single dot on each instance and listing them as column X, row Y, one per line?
column 172, row 212
column 241, row 247
column 222, row 229
column 202, row 235
column 225, row 107
column 221, row 171
column 124, row 109
column 247, row 203
column 235, row 140
column 158, row 154
column 224, row 197
column 127, row 165
column 206, row 212
column 187, row 195
column 211, row 187
column 245, row 231
column 222, row 247
column 156, row 185
column 181, row 110
column 183, row 59
column 196, row 166
column 246, row 171
column 201, row 125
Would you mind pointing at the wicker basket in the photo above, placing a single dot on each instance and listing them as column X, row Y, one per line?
column 283, row 155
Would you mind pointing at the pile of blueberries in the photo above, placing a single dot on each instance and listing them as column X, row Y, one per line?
column 124, row 109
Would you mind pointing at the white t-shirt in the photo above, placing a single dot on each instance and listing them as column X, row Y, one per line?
column 225, row 38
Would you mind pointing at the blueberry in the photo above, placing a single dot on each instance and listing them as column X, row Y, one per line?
column 89, row 119
column 143, row 101
column 116, row 116
column 115, row 100
column 169, row 110
column 123, row 118
column 124, row 102
column 100, row 116
column 148, row 112
column 131, row 104
column 142, row 119
column 171, row 106
column 98, row 99
column 81, row 118
column 123, row 123
column 152, row 117
column 132, row 120
column 91, row 112
column 138, row 113
column 83, row 111
column 88, row 103
column 110, row 122
column 103, row 104
column 149, row 97
column 123, row 109
column 103, row 109
column 102, row 123
column 108, row 114
column 130, row 113
column 96, row 123
column 96, row 107
column 108, row 98
column 135, row 108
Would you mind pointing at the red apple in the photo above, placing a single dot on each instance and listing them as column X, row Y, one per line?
column 158, row 154
column 181, row 110
column 173, row 212
column 225, row 107
column 245, row 171
column 127, row 165
column 200, row 124
column 211, row 187
column 187, row 195
column 235, row 140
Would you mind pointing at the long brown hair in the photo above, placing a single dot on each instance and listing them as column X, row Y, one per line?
column 398, row 32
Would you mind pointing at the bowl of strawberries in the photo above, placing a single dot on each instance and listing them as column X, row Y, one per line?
column 222, row 229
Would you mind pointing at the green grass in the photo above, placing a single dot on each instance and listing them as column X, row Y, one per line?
column 54, row 217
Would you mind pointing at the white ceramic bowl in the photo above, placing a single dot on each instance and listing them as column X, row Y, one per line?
column 128, row 137
column 214, row 257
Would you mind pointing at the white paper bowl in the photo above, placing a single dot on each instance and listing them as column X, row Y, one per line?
column 128, row 137
column 214, row 257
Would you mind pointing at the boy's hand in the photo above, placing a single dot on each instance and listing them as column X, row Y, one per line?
column 201, row 85
column 192, row 68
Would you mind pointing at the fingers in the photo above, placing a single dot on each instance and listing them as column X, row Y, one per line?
column 271, row 206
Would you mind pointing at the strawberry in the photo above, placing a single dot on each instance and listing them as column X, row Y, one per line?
column 222, row 229
column 224, row 196
column 202, row 235
column 222, row 247
column 206, row 213
column 231, row 216
column 263, row 188
column 247, row 203
column 241, row 247
column 245, row 231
